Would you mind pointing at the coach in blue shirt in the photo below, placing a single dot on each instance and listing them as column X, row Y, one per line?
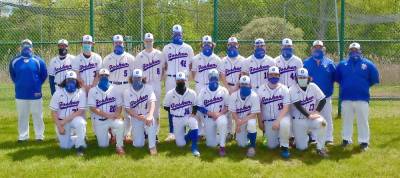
column 28, row 72
column 322, row 71
column 355, row 76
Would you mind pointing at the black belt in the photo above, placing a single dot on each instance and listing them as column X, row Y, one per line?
column 231, row 84
column 103, row 119
column 270, row 120
column 177, row 116
column 298, row 118
column 118, row 83
column 171, row 75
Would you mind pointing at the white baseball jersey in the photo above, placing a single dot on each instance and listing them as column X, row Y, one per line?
column 151, row 64
column 106, row 101
column 273, row 100
column 231, row 69
column 213, row 101
column 58, row 68
column 65, row 103
column 258, row 69
column 202, row 64
column 288, row 69
column 177, row 57
column 139, row 101
column 309, row 99
column 251, row 105
column 180, row 105
column 87, row 67
column 120, row 66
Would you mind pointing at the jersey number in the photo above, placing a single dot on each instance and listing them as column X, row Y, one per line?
column 187, row 111
column 265, row 75
column 311, row 107
column 280, row 106
column 112, row 108
column 183, row 63
column 292, row 76
column 125, row 73
column 158, row 71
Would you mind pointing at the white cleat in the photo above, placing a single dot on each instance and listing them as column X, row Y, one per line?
column 171, row 137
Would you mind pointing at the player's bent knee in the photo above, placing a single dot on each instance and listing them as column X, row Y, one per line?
column 193, row 123
column 252, row 126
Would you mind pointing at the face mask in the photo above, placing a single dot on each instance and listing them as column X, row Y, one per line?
column 137, row 84
column 180, row 88
column 70, row 86
column 232, row 51
column 62, row 51
column 354, row 55
column 207, row 50
column 213, row 84
column 148, row 45
column 259, row 53
column 287, row 53
column 245, row 91
column 87, row 48
column 26, row 52
column 318, row 54
column 303, row 82
column 104, row 83
column 273, row 80
column 118, row 50
column 177, row 39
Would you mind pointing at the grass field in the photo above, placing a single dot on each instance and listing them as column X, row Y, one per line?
column 47, row 160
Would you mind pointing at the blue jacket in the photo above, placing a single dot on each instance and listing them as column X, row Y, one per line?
column 28, row 75
column 355, row 78
column 323, row 74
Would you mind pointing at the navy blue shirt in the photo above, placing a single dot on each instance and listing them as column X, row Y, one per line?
column 355, row 77
column 323, row 74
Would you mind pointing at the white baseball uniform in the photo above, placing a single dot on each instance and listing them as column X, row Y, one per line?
column 214, row 101
column 258, row 70
column 181, row 110
column 251, row 105
column 65, row 104
column 231, row 69
column 272, row 102
column 178, row 59
column 139, row 102
column 309, row 99
column 106, row 101
column 201, row 65
column 288, row 69
column 87, row 67
column 58, row 68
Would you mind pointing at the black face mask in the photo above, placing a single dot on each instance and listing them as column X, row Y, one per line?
column 180, row 88
column 62, row 51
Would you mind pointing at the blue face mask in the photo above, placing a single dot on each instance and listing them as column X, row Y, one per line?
column 137, row 84
column 86, row 48
column 177, row 39
column 273, row 80
column 232, row 51
column 70, row 86
column 118, row 50
column 104, row 83
column 259, row 53
column 26, row 52
column 245, row 92
column 318, row 54
column 287, row 53
column 354, row 55
column 213, row 84
column 207, row 50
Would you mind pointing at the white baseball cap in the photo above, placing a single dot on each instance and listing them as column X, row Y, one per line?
column 317, row 43
column 259, row 41
column 180, row 76
column 232, row 40
column 302, row 72
column 207, row 39
column 71, row 75
column 63, row 41
column 104, row 71
column 148, row 36
column 244, row 80
column 177, row 28
column 87, row 38
column 355, row 45
column 287, row 42
column 273, row 70
column 118, row 38
column 213, row 73
column 137, row 73
column 26, row 41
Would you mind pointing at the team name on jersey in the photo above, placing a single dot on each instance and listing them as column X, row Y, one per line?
column 233, row 70
column 86, row 67
column 141, row 99
column 62, row 68
column 70, row 104
column 105, row 101
column 151, row 64
column 207, row 67
column 273, row 98
column 307, row 100
column 212, row 101
column 176, row 56
column 287, row 69
column 118, row 66
column 243, row 109
column 181, row 105
column 261, row 68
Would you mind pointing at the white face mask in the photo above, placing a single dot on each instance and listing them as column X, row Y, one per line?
column 303, row 82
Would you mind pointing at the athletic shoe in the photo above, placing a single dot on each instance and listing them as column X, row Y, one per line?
column 39, row 140
column 292, row 143
column 229, row 137
column 285, row 152
column 364, row 146
column 196, row 153
column 120, row 151
column 171, row 137
column 345, row 143
column 22, row 141
column 80, row 151
column 322, row 153
column 153, row 151
column 251, row 152
column 329, row 143
column 222, row 151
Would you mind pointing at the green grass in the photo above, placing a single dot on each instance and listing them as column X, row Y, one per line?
column 47, row 160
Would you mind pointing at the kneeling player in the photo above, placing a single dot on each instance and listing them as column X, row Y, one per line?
column 275, row 103
column 308, row 101
column 139, row 101
column 180, row 103
column 245, row 105
column 67, row 107
column 105, row 103
column 213, row 103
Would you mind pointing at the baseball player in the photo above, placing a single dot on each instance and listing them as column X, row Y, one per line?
column 288, row 63
column 244, row 106
column 139, row 102
column 67, row 107
column 121, row 65
column 256, row 66
column 59, row 65
column 275, row 101
column 355, row 76
column 177, row 56
column 213, row 102
column 308, row 101
column 105, row 104
column 180, row 102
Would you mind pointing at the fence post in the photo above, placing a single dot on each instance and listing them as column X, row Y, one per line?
column 91, row 18
column 341, row 41
column 215, row 32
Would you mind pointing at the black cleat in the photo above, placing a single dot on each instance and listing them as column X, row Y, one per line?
column 80, row 151
column 322, row 153
column 364, row 146
column 345, row 143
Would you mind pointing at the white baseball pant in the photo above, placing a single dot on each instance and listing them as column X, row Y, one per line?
column 102, row 134
column 278, row 137
column 138, row 129
column 66, row 140
column 24, row 109
column 327, row 114
column 349, row 110
column 301, row 128
column 180, row 123
column 215, row 131
column 127, row 120
column 157, row 91
column 249, row 127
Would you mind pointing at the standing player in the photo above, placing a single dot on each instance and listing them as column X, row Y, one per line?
column 106, row 106
column 121, row 65
column 288, row 63
column 213, row 102
column 59, row 65
column 139, row 101
column 177, row 56
column 180, row 102
column 308, row 101
column 275, row 101
column 245, row 105
column 67, row 107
